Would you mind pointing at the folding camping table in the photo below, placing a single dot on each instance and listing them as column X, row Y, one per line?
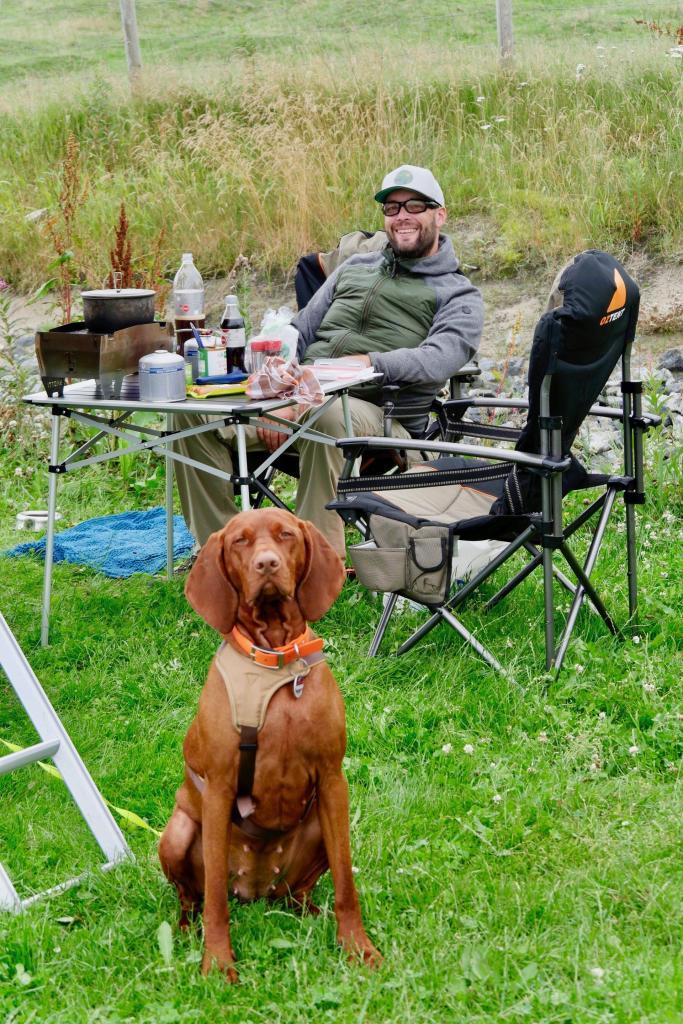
column 113, row 417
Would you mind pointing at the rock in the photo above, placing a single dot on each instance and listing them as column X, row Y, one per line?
column 672, row 360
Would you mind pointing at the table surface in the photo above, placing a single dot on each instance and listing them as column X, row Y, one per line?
column 83, row 394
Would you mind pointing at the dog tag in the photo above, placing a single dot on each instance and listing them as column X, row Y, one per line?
column 297, row 686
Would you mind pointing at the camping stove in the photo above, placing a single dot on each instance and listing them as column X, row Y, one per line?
column 74, row 351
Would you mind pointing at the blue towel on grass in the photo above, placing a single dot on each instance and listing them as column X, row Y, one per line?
column 118, row 545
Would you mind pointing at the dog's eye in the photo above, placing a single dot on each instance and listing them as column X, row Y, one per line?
column 241, row 541
column 286, row 535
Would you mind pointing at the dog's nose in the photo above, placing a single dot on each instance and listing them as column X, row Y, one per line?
column 267, row 562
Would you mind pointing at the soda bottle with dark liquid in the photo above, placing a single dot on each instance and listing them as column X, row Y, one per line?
column 234, row 335
column 188, row 301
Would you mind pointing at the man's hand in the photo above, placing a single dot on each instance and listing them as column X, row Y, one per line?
column 273, row 438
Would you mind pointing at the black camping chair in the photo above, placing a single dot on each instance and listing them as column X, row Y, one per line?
column 411, row 524
column 310, row 276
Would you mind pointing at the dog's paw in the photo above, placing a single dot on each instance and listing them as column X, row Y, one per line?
column 225, row 964
column 360, row 949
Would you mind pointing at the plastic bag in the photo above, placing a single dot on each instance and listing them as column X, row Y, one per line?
column 278, row 324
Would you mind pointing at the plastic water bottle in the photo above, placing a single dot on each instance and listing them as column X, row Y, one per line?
column 188, row 301
column 191, row 355
column 234, row 334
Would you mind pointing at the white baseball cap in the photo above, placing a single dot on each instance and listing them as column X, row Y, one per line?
column 416, row 179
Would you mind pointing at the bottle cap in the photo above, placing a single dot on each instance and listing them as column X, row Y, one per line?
column 231, row 298
column 187, row 256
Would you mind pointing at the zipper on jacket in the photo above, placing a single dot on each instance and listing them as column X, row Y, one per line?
column 366, row 305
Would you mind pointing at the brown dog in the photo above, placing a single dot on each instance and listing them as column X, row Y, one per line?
column 264, row 822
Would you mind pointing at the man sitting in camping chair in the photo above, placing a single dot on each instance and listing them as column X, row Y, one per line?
column 406, row 310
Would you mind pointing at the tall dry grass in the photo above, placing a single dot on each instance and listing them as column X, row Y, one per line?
column 274, row 161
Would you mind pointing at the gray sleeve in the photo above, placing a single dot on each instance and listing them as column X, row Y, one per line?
column 308, row 320
column 452, row 341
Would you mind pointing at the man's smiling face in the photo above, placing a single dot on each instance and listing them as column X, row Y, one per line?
column 413, row 235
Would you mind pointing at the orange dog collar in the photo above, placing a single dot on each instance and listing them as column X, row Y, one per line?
column 301, row 647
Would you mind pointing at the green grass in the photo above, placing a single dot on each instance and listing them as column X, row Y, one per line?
column 53, row 40
column 499, row 884
column 277, row 154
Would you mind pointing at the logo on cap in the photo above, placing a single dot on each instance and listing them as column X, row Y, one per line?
column 403, row 177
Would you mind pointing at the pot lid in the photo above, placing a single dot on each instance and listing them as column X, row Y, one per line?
column 118, row 293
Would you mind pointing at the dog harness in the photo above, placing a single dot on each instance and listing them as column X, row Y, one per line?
column 250, row 689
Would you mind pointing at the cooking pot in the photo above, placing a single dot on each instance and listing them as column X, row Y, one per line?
column 111, row 309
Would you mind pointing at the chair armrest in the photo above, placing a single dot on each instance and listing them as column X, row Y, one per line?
column 485, row 403
column 354, row 446
column 610, row 412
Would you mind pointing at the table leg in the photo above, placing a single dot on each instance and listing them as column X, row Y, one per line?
column 169, row 501
column 348, row 426
column 242, row 465
column 50, row 537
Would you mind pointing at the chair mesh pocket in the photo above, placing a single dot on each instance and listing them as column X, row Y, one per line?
column 382, row 569
column 415, row 562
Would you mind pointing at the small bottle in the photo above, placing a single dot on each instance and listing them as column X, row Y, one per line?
column 188, row 301
column 191, row 360
column 234, row 334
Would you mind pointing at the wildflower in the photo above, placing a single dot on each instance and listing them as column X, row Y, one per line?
column 497, row 798
column 499, row 119
column 3, row 284
column 649, row 687
column 446, row 748
column 602, row 714
column 18, row 471
column 543, row 737
column 598, row 973
column 636, row 639
column 580, row 68
column 480, row 99
column 355, row 870
column 634, row 750
column 579, row 669
column 468, row 749
column 485, row 127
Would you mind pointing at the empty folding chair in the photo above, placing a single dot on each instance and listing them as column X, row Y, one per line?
column 412, row 524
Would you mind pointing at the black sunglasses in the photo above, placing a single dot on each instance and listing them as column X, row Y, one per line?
column 410, row 205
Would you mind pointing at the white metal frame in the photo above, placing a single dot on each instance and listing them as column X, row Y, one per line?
column 56, row 744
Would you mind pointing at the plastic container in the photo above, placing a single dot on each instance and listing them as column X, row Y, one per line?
column 234, row 334
column 162, row 377
column 188, row 300
column 261, row 349
column 191, row 356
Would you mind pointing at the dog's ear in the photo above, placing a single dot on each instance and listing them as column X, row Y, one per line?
column 323, row 575
column 208, row 588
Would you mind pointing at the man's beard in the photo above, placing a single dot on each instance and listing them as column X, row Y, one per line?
column 424, row 243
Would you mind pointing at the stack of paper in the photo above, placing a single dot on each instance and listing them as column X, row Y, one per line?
column 334, row 369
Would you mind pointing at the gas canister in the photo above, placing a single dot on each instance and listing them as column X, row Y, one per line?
column 162, row 377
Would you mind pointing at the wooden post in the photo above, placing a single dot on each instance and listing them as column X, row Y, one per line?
column 504, row 20
column 130, row 35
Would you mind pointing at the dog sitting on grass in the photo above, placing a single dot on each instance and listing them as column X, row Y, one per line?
column 264, row 809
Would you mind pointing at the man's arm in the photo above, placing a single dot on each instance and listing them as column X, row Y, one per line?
column 308, row 320
column 452, row 340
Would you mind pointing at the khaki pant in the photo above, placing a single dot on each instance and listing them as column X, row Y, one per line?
column 208, row 502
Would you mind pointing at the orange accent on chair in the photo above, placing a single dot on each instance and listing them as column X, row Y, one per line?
column 619, row 297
